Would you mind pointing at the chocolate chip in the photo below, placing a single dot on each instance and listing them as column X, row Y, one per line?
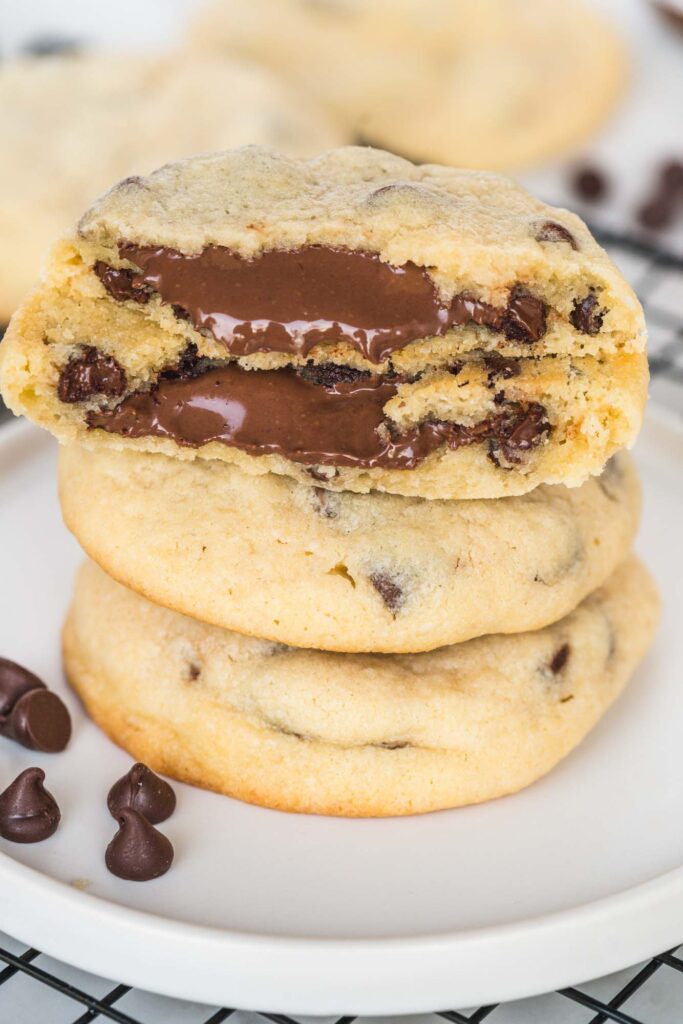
column 559, row 659
column 551, row 231
column 193, row 671
column 132, row 180
column 142, row 791
column 661, row 209
column 39, row 720
column 672, row 13
column 590, row 184
column 525, row 317
column 89, row 374
column 327, row 502
column 517, row 431
column 586, row 317
column 394, row 744
column 138, row 852
column 28, row 813
column 524, row 431
column 455, row 368
column 329, row 375
column 188, row 366
column 656, row 214
column 120, row 283
column 389, row 590
column 671, row 175
column 15, row 681
column 500, row 367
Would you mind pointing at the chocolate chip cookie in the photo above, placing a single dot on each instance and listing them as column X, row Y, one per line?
column 351, row 734
column 476, row 83
column 353, row 321
column 302, row 565
column 73, row 124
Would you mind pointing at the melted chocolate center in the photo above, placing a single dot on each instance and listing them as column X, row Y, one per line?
column 291, row 300
column 281, row 412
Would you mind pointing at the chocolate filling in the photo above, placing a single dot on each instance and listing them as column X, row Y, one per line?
column 339, row 422
column 291, row 300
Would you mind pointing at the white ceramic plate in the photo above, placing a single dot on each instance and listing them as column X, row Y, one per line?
column 576, row 877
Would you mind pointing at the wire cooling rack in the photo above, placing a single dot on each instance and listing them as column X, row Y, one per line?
column 34, row 989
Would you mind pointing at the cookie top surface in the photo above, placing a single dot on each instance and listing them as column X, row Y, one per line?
column 254, row 198
column 471, row 233
column 351, row 734
column 343, row 571
column 73, row 124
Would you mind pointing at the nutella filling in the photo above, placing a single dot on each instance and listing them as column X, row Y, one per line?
column 291, row 300
column 340, row 423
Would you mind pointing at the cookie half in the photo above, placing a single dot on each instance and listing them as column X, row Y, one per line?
column 492, row 84
column 353, row 320
column 266, row 556
column 354, row 735
column 73, row 124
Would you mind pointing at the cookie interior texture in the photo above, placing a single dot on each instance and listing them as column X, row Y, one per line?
column 353, row 735
column 347, row 318
column 73, row 124
column 310, row 567
column 445, row 80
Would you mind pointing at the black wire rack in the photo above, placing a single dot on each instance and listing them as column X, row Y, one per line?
column 650, row 993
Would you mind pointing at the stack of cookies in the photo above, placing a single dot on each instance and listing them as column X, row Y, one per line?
column 343, row 440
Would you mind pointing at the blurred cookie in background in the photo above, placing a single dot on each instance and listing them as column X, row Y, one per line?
column 493, row 84
column 72, row 124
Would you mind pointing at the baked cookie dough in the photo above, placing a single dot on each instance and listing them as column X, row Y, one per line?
column 73, row 124
column 489, row 84
column 301, row 565
column 354, row 319
column 351, row 734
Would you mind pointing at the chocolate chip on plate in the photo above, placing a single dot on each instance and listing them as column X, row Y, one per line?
column 38, row 720
column 590, row 183
column 28, row 813
column 15, row 681
column 138, row 852
column 142, row 791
